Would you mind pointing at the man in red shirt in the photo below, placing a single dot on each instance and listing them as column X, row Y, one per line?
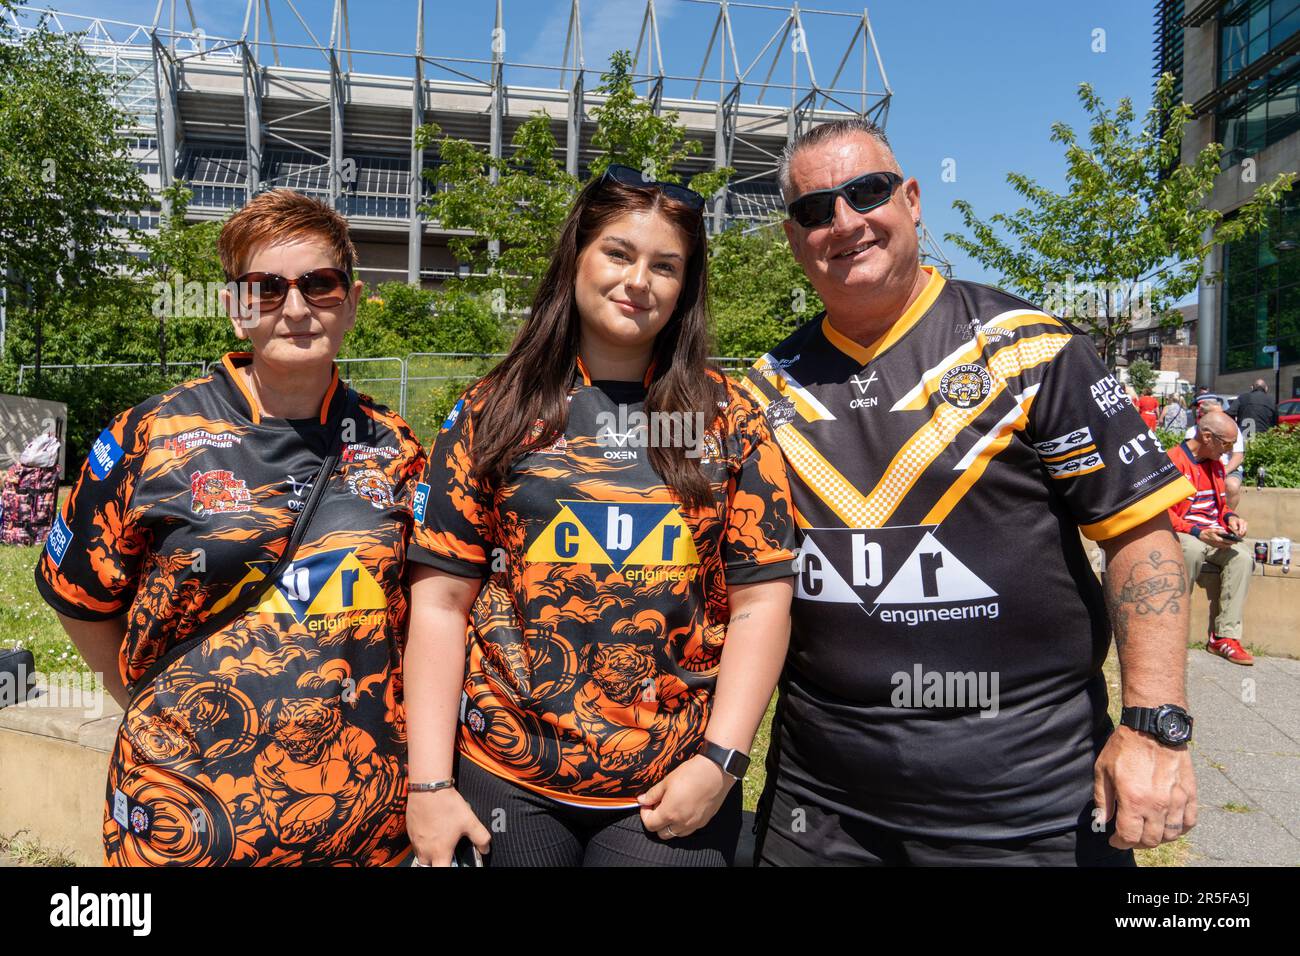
column 1209, row 531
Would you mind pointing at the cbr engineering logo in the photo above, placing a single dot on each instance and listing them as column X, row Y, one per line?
column 633, row 537
column 327, row 583
column 904, row 574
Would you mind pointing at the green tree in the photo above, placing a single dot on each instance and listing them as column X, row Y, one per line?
column 523, row 210
column 1141, row 375
column 181, row 254
column 758, row 293
column 1130, row 232
column 628, row 132
column 65, row 176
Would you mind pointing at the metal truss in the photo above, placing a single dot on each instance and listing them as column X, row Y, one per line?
column 281, row 56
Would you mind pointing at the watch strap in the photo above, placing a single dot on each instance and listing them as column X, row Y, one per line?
column 733, row 762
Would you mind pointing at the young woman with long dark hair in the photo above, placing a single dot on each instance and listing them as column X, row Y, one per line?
column 603, row 552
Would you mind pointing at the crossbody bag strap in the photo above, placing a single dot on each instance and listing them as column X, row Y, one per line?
column 253, row 594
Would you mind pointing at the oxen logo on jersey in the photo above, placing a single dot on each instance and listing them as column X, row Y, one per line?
column 371, row 484
column 617, row 533
column 904, row 573
column 104, row 454
column 863, row 400
column 218, row 492
column 329, row 582
column 965, row 385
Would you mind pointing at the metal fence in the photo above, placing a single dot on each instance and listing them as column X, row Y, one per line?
column 418, row 386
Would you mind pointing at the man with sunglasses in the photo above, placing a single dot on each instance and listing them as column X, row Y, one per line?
column 943, row 700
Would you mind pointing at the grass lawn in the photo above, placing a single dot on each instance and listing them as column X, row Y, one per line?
column 26, row 620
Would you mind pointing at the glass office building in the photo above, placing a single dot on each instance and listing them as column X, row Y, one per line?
column 1238, row 63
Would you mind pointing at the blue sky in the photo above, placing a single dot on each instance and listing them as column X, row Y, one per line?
column 976, row 83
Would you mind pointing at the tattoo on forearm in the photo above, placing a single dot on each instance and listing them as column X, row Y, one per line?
column 1153, row 587
column 742, row 616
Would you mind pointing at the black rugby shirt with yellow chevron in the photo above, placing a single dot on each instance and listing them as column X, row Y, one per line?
column 940, row 478
column 594, row 646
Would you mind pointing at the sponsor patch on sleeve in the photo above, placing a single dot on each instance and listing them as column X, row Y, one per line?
column 420, row 502
column 104, row 454
column 59, row 539
column 453, row 414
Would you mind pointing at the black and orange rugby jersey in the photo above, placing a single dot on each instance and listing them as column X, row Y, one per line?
column 593, row 647
column 280, row 739
column 944, row 675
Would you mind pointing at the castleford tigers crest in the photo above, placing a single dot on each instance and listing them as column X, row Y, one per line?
column 965, row 385
column 218, row 492
column 373, row 486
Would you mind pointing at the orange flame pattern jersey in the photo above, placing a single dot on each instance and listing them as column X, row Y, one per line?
column 593, row 647
column 279, row 739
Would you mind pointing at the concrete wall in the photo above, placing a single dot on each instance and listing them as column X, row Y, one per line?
column 55, row 767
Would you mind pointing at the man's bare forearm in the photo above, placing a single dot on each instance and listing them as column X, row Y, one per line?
column 1147, row 599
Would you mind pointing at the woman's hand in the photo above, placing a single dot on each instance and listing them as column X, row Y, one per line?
column 435, row 823
column 686, row 799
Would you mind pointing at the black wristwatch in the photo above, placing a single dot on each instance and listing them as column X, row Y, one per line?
column 1168, row 723
column 733, row 762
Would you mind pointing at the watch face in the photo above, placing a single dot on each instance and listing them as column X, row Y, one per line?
column 1173, row 726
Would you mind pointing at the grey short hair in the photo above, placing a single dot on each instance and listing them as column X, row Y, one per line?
column 836, row 129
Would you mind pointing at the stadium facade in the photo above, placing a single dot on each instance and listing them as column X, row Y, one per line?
column 289, row 102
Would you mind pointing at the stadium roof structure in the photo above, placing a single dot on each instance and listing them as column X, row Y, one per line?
column 292, row 102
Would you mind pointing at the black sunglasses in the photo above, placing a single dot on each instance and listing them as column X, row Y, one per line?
column 862, row 193
column 634, row 177
column 323, row 288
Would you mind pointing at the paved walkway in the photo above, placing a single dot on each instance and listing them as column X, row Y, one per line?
column 1247, row 755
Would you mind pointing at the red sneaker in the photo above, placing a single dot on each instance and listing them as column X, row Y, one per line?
column 1230, row 649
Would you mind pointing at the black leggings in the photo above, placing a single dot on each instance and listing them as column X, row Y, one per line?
column 529, row 829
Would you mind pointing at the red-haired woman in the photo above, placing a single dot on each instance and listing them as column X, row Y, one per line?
column 602, row 567
column 233, row 553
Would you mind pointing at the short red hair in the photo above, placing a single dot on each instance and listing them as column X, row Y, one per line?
column 279, row 215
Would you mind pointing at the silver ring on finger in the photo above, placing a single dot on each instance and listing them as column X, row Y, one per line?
column 669, row 832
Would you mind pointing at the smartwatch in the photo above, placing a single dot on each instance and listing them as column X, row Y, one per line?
column 1168, row 723
column 733, row 762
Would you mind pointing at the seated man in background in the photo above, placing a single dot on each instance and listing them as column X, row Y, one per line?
column 1209, row 531
column 1232, row 457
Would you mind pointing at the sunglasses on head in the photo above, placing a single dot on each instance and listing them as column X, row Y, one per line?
column 862, row 193
column 323, row 288
column 634, row 177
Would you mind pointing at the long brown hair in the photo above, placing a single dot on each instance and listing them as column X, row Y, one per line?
column 532, row 382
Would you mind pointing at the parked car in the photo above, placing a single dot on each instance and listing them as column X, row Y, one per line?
column 1288, row 412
